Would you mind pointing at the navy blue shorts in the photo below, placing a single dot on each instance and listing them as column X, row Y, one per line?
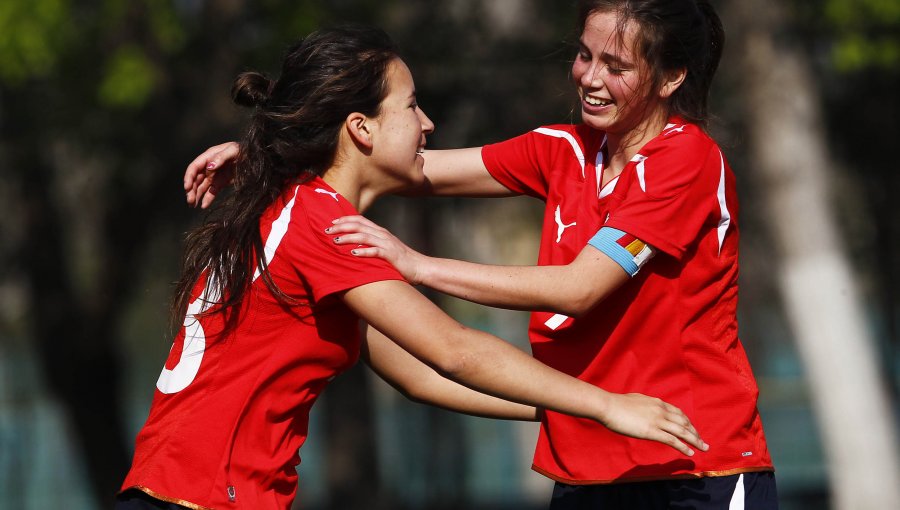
column 747, row 491
column 134, row 499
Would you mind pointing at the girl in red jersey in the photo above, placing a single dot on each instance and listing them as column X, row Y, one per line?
column 638, row 185
column 270, row 305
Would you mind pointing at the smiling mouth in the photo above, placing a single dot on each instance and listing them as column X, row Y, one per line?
column 594, row 101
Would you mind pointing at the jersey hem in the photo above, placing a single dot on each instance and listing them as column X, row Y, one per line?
column 701, row 474
column 150, row 492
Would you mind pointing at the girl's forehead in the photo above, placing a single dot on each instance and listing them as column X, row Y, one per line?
column 604, row 31
column 400, row 83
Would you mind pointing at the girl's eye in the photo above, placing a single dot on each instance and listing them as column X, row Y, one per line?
column 615, row 70
column 414, row 106
column 583, row 56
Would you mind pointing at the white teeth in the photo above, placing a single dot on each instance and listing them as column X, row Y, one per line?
column 593, row 101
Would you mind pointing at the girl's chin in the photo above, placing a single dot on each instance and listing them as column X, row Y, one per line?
column 599, row 122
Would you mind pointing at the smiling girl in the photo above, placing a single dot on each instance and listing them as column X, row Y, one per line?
column 637, row 283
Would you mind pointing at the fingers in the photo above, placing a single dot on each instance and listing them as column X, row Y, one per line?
column 367, row 252
column 208, row 196
column 360, row 238
column 674, row 442
column 675, row 429
column 198, row 176
column 352, row 223
column 680, row 426
column 357, row 225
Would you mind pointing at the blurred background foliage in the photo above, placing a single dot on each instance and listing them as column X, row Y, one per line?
column 104, row 102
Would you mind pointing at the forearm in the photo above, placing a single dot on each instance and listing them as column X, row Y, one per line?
column 472, row 358
column 502, row 370
column 571, row 289
column 458, row 172
column 489, row 365
column 420, row 383
column 512, row 287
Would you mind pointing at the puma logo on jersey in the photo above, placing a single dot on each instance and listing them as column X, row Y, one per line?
column 332, row 193
column 671, row 129
column 560, row 226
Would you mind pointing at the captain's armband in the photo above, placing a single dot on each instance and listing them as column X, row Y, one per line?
column 628, row 251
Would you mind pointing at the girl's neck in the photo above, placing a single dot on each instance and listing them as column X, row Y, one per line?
column 346, row 179
column 622, row 147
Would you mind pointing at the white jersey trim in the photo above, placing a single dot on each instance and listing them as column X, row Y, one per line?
column 556, row 133
column 725, row 220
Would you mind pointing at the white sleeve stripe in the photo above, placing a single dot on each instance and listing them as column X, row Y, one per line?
column 569, row 138
column 279, row 229
column 725, row 220
column 641, row 170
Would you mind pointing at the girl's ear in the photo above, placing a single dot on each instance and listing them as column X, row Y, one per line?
column 674, row 79
column 359, row 129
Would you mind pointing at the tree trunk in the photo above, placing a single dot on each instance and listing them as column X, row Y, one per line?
column 792, row 168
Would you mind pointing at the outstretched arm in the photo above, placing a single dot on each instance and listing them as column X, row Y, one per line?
column 421, row 383
column 455, row 172
column 485, row 363
column 571, row 289
column 459, row 172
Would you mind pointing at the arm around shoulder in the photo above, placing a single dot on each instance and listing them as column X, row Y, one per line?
column 460, row 172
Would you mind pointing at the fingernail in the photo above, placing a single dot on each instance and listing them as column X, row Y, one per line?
column 354, row 252
column 328, row 230
column 211, row 164
column 337, row 239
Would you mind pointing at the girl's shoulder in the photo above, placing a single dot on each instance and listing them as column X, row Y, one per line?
column 682, row 140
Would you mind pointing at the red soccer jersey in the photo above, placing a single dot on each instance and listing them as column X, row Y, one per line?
column 671, row 331
column 231, row 410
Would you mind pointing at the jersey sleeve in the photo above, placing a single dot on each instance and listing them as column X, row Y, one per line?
column 324, row 266
column 518, row 164
column 673, row 193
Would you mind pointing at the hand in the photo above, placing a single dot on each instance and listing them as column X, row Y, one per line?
column 380, row 243
column 644, row 417
column 209, row 173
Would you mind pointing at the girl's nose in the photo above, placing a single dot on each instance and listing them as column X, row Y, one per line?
column 591, row 78
column 427, row 125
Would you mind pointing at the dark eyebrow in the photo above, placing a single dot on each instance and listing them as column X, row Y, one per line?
column 612, row 59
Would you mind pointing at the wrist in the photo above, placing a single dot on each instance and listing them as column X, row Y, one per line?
column 424, row 274
column 602, row 405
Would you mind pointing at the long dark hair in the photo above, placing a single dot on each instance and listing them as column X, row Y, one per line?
column 673, row 34
column 292, row 137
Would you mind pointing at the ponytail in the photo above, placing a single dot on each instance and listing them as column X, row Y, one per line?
column 292, row 138
column 251, row 89
column 714, row 46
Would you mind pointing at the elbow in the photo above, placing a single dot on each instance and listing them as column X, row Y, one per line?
column 577, row 304
column 454, row 366
column 457, row 358
column 416, row 394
